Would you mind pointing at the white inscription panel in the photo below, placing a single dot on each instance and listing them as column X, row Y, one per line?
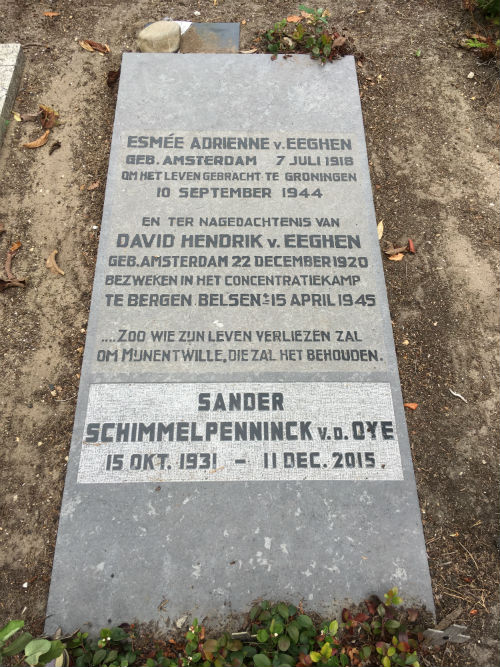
column 179, row 432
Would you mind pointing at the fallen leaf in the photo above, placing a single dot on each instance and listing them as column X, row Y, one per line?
column 411, row 247
column 397, row 257
column 51, row 14
column 15, row 247
column 50, row 117
column 93, row 186
column 82, row 187
column 250, row 51
column 113, row 76
column 54, row 147
column 380, row 229
column 293, row 19
column 17, row 116
column 90, row 45
column 41, row 141
column 411, row 406
column 389, row 248
column 339, row 41
column 5, row 284
column 25, row 117
column 473, row 612
column 52, row 264
column 85, row 45
column 244, row 22
column 412, row 615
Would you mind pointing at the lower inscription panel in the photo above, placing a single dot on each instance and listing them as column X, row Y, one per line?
column 182, row 432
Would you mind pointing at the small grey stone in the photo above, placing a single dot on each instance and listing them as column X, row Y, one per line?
column 159, row 37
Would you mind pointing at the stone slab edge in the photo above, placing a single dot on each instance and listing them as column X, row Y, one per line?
column 11, row 67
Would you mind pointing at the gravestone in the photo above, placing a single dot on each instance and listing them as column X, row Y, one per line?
column 240, row 430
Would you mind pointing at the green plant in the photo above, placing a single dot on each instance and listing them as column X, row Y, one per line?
column 276, row 635
column 114, row 648
column 307, row 32
column 35, row 651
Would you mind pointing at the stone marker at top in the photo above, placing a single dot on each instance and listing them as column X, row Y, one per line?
column 240, row 429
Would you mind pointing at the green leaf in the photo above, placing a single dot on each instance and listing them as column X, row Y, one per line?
column 17, row 645
column 365, row 652
column 210, row 646
column 149, row 662
column 333, row 628
column 249, row 651
column 117, row 634
column 315, row 656
column 326, row 650
column 344, row 660
column 254, row 612
column 381, row 610
column 196, row 657
column 283, row 611
column 411, row 658
column 34, row 649
column 304, row 621
column 293, row 632
column 262, row 636
column 10, row 629
column 234, row 645
column 391, row 651
column 261, row 660
column 386, row 662
column 55, row 650
column 283, row 643
column 392, row 626
column 276, row 627
column 99, row 656
column 292, row 609
column 285, row 659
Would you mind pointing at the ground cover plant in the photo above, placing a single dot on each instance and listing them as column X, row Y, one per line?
column 276, row 635
column 306, row 32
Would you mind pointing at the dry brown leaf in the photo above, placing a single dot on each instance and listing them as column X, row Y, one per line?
column 380, row 229
column 5, row 284
column 52, row 264
column 85, row 45
column 397, row 257
column 339, row 41
column 41, row 141
column 51, row 14
column 30, row 116
column 250, row 51
column 293, row 19
column 82, row 187
column 113, row 76
column 93, row 186
column 96, row 46
column 411, row 406
column 50, row 117
column 15, row 247
column 54, row 147
column 411, row 247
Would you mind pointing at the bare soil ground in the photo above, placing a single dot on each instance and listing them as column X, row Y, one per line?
column 432, row 134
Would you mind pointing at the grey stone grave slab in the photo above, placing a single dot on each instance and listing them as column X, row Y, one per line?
column 11, row 67
column 240, row 430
